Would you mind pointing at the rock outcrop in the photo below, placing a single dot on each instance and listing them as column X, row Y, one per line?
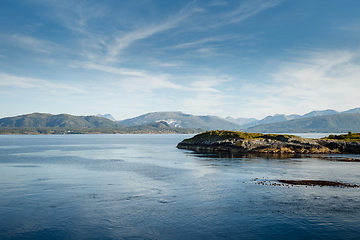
column 272, row 144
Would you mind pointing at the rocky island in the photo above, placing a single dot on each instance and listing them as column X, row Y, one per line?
column 243, row 142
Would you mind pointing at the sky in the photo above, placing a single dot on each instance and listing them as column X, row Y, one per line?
column 203, row 57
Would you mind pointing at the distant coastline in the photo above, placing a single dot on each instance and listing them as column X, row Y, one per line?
column 53, row 131
column 176, row 122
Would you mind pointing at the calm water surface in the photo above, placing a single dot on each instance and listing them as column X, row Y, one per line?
column 142, row 187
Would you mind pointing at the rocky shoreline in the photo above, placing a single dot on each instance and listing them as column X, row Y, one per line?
column 237, row 142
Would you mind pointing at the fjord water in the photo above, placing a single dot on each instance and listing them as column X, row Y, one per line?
column 142, row 187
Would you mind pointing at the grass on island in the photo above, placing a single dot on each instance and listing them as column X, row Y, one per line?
column 350, row 137
column 222, row 134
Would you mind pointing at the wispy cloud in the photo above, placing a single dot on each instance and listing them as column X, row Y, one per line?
column 206, row 85
column 251, row 8
column 136, row 79
column 123, row 41
column 109, row 45
column 7, row 80
column 218, row 3
column 204, row 103
column 319, row 70
column 212, row 41
column 198, row 43
column 139, row 80
column 325, row 79
column 168, row 64
column 74, row 15
column 32, row 44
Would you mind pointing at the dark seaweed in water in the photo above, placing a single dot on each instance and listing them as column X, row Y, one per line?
column 318, row 183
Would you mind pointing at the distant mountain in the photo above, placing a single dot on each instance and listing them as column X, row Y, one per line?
column 354, row 110
column 320, row 113
column 292, row 116
column 241, row 121
column 62, row 120
column 108, row 116
column 161, row 127
column 282, row 117
column 341, row 122
column 272, row 119
column 179, row 119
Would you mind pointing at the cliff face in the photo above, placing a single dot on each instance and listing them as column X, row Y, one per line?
column 263, row 144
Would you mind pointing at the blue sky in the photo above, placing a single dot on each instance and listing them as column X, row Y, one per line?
column 225, row 58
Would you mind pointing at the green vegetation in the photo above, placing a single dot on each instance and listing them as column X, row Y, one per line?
column 222, row 134
column 39, row 123
column 350, row 137
column 41, row 120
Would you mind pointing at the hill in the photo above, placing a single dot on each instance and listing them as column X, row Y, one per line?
column 341, row 122
column 179, row 119
column 40, row 120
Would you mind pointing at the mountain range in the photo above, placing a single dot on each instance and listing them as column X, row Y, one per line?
column 179, row 119
column 42, row 123
column 340, row 123
column 250, row 122
column 62, row 120
column 179, row 122
column 314, row 121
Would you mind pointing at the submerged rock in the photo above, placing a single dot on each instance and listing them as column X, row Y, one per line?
column 312, row 183
column 320, row 183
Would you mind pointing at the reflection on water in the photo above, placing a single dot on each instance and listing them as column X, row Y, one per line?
column 142, row 187
column 284, row 156
column 224, row 154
